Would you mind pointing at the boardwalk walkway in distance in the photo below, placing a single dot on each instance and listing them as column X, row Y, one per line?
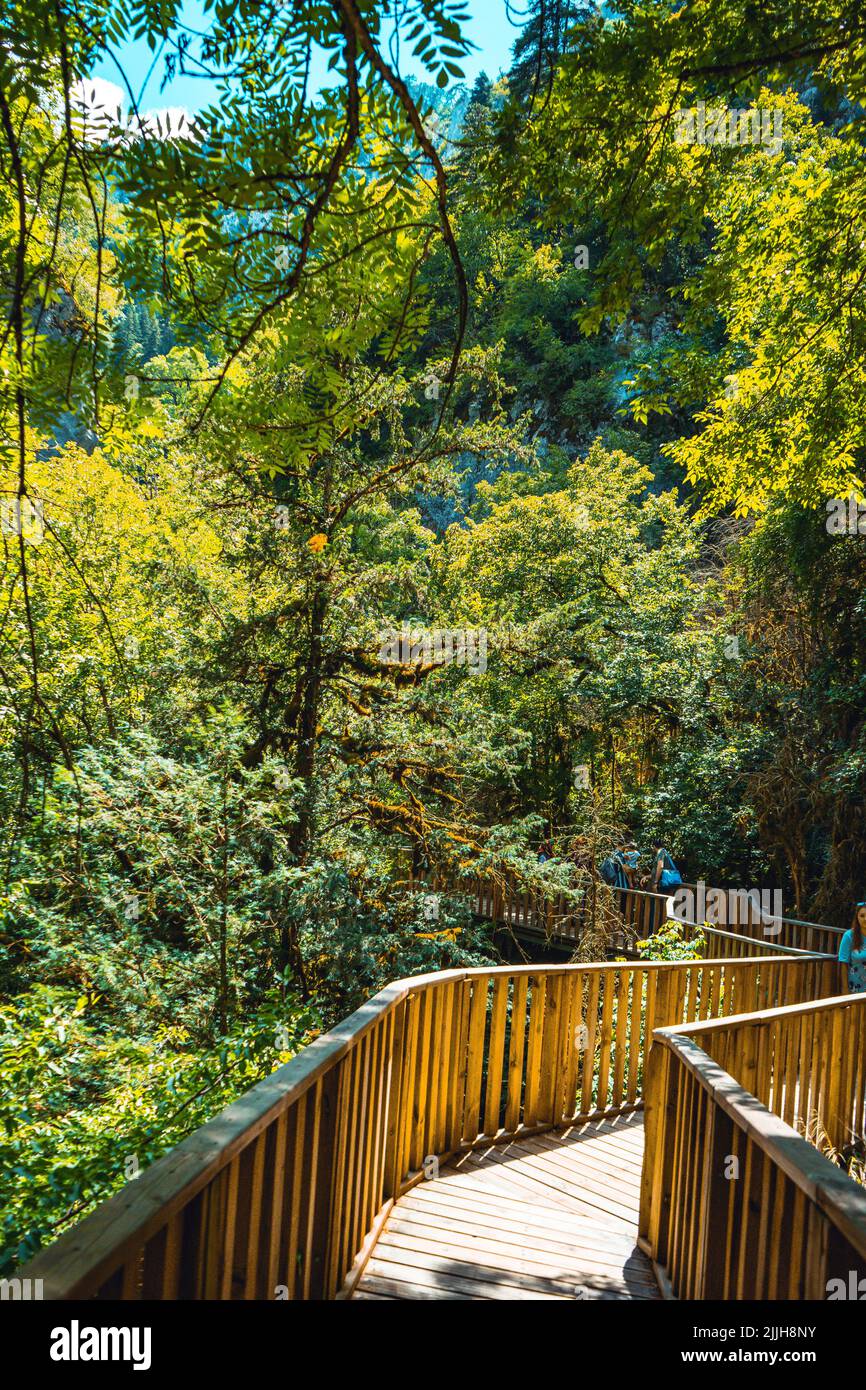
column 549, row 1216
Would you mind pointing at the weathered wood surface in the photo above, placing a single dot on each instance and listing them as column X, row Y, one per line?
column 551, row 1216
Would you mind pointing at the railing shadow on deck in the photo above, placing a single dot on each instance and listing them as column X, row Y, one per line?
column 285, row 1192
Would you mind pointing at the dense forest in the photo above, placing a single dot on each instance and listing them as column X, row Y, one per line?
column 399, row 475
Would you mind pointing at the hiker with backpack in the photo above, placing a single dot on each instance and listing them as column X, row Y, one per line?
column 613, row 869
column 666, row 875
column 666, row 878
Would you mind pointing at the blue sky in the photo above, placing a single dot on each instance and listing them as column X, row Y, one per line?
column 489, row 28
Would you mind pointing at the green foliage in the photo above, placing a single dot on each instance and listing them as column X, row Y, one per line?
column 669, row 943
column 159, row 901
column 741, row 254
column 85, row 1108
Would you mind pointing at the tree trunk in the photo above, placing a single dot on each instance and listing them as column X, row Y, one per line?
column 305, row 771
column 223, row 987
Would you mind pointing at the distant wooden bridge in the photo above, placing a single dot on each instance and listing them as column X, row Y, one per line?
column 553, row 919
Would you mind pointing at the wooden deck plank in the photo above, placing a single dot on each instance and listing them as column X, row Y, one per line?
column 548, row 1216
column 544, row 1276
column 587, row 1161
column 567, row 1176
column 576, row 1191
column 509, row 1215
column 500, row 1180
column 591, row 1208
column 602, row 1244
column 593, row 1172
column 493, row 1254
column 626, row 1142
column 440, row 1270
column 423, row 1267
column 546, row 1256
column 588, row 1205
column 625, row 1136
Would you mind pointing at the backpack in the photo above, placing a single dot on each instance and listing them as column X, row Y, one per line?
column 609, row 868
column 670, row 876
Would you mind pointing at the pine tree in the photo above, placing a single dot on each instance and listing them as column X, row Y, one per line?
column 480, row 95
column 539, row 46
column 146, row 332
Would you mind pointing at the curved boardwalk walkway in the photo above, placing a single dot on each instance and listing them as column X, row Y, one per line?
column 551, row 1216
column 528, row 1086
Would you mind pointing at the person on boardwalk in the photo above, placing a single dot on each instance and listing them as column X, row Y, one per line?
column 613, row 869
column 619, row 858
column 630, row 856
column 579, row 853
column 666, row 875
column 852, row 952
column 614, row 872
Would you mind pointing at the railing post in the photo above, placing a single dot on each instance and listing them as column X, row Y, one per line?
column 661, row 1076
column 321, row 1232
column 714, row 1220
column 837, row 1127
column 662, row 1011
column 395, row 1109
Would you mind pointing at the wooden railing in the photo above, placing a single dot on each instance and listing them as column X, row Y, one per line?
column 735, row 1202
column 741, row 915
column 804, row 1062
column 644, row 913
column 284, row 1193
column 504, row 898
column 746, row 929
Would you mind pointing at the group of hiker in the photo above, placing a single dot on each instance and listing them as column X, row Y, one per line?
column 621, row 869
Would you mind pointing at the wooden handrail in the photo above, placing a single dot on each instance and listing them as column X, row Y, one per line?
column 738, row 944
column 88, row 1259
column 283, row 1193
column 793, row 921
column 823, row 940
column 806, row 1062
column 722, row 1171
column 792, row 930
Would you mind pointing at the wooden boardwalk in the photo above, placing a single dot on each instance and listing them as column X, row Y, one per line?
column 551, row 1216
column 309, row 1184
